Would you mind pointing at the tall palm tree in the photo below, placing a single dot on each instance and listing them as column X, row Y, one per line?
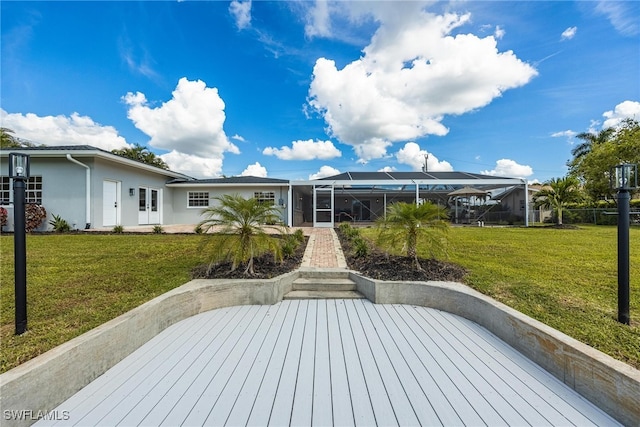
column 407, row 224
column 242, row 224
column 557, row 193
column 590, row 140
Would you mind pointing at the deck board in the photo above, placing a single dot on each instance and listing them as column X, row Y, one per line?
column 327, row 362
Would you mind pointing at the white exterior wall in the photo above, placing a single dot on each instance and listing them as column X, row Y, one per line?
column 183, row 214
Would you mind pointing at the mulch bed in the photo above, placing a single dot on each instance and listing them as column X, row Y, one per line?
column 264, row 267
column 381, row 266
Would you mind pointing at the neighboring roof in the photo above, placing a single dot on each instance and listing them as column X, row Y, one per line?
column 230, row 181
column 89, row 151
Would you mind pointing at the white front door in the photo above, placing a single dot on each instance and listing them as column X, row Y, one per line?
column 149, row 205
column 110, row 203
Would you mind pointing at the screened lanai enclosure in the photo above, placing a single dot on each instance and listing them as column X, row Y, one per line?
column 362, row 197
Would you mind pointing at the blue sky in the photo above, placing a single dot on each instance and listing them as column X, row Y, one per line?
column 305, row 89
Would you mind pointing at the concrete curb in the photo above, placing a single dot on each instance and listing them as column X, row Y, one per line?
column 46, row 381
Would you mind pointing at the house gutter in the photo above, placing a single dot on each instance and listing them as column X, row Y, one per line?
column 88, row 191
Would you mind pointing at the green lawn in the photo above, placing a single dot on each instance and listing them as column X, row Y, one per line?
column 77, row 282
column 565, row 278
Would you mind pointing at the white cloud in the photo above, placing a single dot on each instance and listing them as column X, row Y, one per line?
column 255, row 169
column 499, row 32
column 624, row 110
column 190, row 123
column 241, row 12
column 622, row 15
column 324, row 172
column 564, row 133
column 62, row 130
column 318, row 20
column 569, row 33
column 387, row 169
column 305, row 150
column 509, row 168
column 410, row 76
column 195, row 166
column 412, row 155
column 238, row 138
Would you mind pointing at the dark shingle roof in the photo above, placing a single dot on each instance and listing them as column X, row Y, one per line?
column 234, row 180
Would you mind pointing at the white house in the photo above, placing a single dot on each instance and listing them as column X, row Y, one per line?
column 93, row 188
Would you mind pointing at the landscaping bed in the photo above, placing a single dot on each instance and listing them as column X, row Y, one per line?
column 382, row 266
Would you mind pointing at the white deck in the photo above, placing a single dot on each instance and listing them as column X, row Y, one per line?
column 327, row 362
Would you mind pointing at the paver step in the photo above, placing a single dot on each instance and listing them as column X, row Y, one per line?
column 322, row 284
column 323, row 295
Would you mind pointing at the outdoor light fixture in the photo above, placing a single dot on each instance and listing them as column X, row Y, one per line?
column 623, row 178
column 18, row 166
column 19, row 172
column 132, row 191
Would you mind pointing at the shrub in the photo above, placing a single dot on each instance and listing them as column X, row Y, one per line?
column 3, row 217
column 157, row 229
column 34, row 216
column 118, row 229
column 198, row 229
column 59, row 225
column 299, row 235
column 360, row 247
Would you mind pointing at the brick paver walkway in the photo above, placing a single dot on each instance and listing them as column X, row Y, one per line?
column 323, row 250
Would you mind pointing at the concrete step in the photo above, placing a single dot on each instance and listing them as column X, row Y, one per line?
column 327, row 273
column 322, row 284
column 323, row 295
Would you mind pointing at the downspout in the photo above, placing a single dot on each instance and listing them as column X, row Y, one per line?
column 88, row 191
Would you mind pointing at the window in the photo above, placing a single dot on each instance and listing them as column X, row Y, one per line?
column 33, row 190
column 198, row 199
column 268, row 197
column 5, row 191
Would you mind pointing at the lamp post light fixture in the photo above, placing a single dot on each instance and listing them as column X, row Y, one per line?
column 623, row 178
column 19, row 173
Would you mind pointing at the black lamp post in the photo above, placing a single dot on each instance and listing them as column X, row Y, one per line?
column 623, row 178
column 19, row 172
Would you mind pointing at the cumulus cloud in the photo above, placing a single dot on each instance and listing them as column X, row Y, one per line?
column 624, row 110
column 255, row 169
column 324, row 172
column 569, row 33
column 499, row 32
column 238, row 138
column 412, row 155
column 241, row 12
column 304, row 150
column 191, row 165
column 63, row 130
column 412, row 74
column 509, row 168
column 190, row 123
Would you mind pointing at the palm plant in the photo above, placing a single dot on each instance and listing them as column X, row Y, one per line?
column 407, row 224
column 557, row 193
column 242, row 224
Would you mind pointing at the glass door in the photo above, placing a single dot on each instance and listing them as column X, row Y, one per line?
column 323, row 206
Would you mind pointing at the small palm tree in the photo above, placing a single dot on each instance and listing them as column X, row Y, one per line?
column 557, row 193
column 407, row 224
column 242, row 224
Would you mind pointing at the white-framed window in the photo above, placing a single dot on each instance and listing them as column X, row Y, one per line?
column 5, row 190
column 198, row 199
column 268, row 197
column 33, row 190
